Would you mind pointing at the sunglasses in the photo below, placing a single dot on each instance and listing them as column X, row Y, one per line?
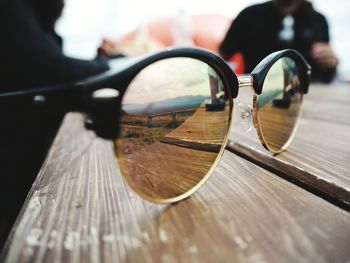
column 169, row 114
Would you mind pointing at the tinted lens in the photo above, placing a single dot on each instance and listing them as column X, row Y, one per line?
column 175, row 118
column 279, row 104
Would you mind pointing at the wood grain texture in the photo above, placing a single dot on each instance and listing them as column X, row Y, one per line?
column 320, row 153
column 81, row 210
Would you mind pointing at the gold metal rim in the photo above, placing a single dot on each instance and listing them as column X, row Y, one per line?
column 199, row 184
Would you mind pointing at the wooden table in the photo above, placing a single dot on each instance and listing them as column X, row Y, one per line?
column 293, row 207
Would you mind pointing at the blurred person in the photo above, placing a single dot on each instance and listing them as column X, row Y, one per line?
column 31, row 56
column 279, row 24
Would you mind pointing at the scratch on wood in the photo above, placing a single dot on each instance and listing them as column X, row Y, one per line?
column 72, row 240
column 193, row 249
column 94, row 240
column 108, row 238
column 146, row 237
column 34, row 236
column 34, row 203
column 240, row 242
column 162, row 235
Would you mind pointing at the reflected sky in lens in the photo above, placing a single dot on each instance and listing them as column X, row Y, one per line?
column 180, row 76
column 275, row 78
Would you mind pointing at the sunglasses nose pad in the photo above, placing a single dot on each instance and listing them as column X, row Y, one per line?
column 244, row 116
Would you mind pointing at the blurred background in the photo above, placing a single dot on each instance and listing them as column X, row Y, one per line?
column 85, row 22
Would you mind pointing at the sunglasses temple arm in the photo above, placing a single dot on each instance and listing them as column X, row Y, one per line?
column 101, row 105
column 70, row 96
column 60, row 98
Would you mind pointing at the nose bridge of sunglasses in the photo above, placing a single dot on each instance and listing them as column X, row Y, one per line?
column 244, row 101
column 245, row 81
column 244, row 116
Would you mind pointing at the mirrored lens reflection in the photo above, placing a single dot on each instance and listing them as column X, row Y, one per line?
column 279, row 103
column 175, row 118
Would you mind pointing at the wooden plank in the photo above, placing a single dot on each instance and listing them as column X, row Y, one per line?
column 329, row 112
column 81, row 210
column 320, row 153
column 330, row 103
column 336, row 92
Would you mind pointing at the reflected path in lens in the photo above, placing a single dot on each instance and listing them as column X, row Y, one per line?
column 161, row 161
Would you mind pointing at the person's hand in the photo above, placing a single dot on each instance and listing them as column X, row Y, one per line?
column 108, row 47
column 130, row 47
column 324, row 55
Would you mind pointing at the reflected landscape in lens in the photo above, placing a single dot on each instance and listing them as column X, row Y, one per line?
column 175, row 117
column 279, row 103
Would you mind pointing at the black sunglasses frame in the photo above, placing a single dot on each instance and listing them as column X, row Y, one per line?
column 103, row 113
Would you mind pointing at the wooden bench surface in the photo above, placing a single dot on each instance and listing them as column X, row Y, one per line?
column 81, row 210
column 320, row 152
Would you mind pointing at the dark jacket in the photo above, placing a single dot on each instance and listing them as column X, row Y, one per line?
column 31, row 56
column 255, row 32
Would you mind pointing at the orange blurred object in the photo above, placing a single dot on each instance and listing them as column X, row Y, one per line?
column 208, row 32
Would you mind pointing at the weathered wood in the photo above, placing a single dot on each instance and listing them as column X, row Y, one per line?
column 320, row 153
column 329, row 103
column 81, row 210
